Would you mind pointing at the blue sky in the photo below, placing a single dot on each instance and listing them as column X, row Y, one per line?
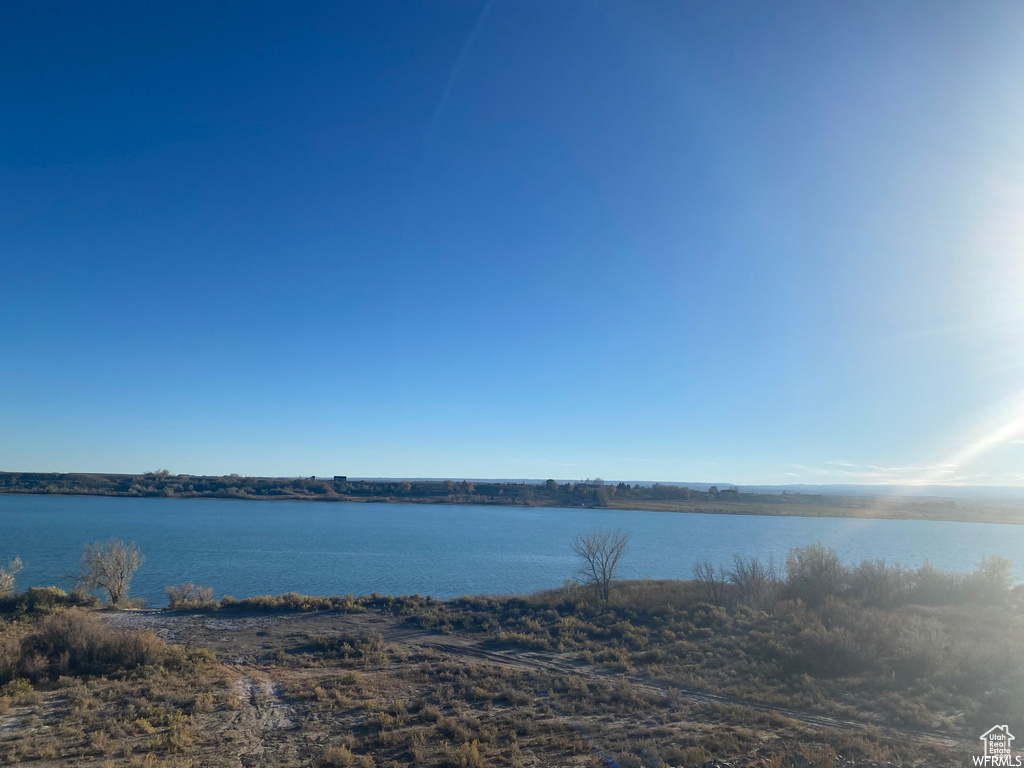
column 738, row 242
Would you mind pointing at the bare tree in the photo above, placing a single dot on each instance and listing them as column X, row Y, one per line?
column 600, row 549
column 7, row 576
column 711, row 581
column 109, row 567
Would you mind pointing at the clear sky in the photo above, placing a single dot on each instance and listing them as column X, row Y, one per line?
column 725, row 241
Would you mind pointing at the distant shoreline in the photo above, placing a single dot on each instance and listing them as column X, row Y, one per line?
column 591, row 494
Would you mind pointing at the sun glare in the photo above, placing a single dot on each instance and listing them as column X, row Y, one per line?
column 1005, row 427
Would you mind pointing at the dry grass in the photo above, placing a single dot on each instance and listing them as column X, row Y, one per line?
column 601, row 679
column 77, row 691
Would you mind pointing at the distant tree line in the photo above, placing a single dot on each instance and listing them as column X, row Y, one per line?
column 161, row 483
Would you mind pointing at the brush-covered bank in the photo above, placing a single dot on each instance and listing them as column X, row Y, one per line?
column 878, row 665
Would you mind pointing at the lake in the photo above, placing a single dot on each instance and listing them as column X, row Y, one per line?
column 245, row 548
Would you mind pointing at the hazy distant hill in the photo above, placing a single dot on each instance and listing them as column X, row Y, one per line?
column 991, row 493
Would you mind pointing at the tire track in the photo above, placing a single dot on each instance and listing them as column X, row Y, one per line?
column 536, row 660
column 263, row 719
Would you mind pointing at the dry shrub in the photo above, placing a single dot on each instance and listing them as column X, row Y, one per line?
column 879, row 584
column 101, row 742
column 18, row 690
column 468, row 755
column 814, row 573
column 338, row 757
column 865, row 745
column 653, row 594
column 189, row 597
column 292, row 601
column 179, row 738
column 203, row 702
column 44, row 599
column 77, row 642
column 844, row 638
column 689, row 757
column 10, row 654
column 819, row 756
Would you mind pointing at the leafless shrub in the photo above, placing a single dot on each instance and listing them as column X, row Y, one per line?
column 878, row 584
column 814, row 573
column 921, row 648
column 711, row 581
column 188, row 595
column 936, row 587
column 757, row 583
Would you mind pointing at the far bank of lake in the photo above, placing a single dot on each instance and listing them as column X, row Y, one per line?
column 655, row 497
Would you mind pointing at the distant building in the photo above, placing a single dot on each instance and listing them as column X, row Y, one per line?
column 341, row 478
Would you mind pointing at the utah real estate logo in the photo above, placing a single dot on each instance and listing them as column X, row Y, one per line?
column 998, row 744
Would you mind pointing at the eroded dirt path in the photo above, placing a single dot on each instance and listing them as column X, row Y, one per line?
column 260, row 726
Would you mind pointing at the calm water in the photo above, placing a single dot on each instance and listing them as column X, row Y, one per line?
column 247, row 548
